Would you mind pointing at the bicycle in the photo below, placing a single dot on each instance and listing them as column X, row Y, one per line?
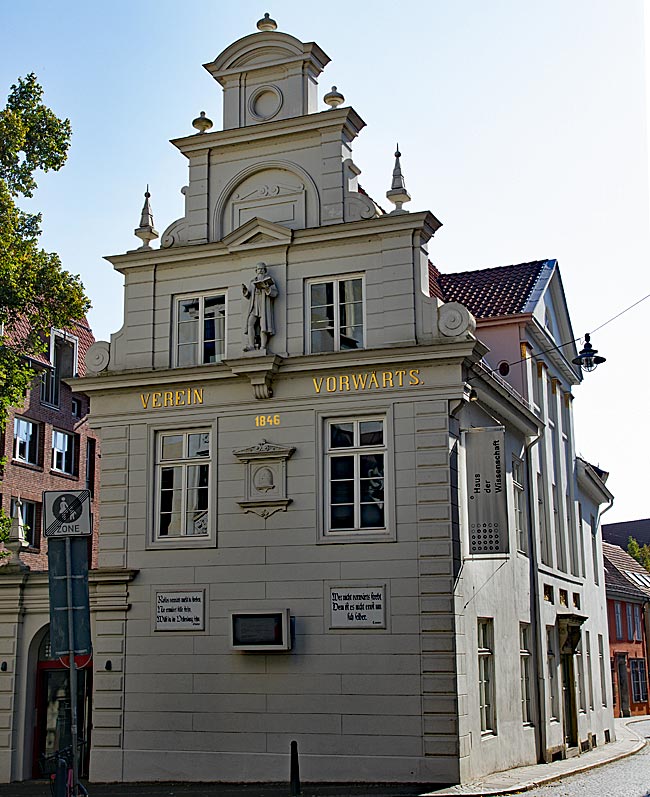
column 58, row 767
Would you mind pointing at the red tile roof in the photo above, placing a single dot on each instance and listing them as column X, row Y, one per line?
column 619, row 570
column 489, row 292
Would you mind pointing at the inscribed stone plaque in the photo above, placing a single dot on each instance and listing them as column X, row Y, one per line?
column 358, row 607
column 180, row 610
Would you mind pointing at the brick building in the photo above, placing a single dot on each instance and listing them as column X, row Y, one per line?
column 47, row 445
column 627, row 585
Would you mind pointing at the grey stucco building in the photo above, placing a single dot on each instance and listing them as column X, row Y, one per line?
column 329, row 512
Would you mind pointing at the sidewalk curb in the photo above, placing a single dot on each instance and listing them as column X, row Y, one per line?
column 527, row 785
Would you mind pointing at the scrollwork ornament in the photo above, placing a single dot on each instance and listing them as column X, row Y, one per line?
column 454, row 319
column 98, row 357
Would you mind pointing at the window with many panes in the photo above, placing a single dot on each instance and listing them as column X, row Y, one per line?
column 639, row 680
column 630, row 624
column 551, row 664
column 63, row 452
column 618, row 619
column 63, row 359
column 336, row 315
column 637, row 622
column 355, row 462
column 601, row 667
column 525, row 664
column 200, row 329
column 26, row 441
column 486, row 676
column 29, row 516
column 580, row 672
column 183, row 484
column 590, row 675
column 518, row 496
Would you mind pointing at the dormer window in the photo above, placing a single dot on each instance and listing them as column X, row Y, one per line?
column 63, row 359
column 336, row 314
column 200, row 330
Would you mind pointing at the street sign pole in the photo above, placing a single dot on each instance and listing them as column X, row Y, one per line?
column 73, row 667
column 68, row 524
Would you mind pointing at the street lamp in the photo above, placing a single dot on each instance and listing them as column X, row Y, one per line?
column 588, row 358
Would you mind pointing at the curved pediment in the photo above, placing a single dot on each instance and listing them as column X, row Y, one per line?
column 278, row 192
column 267, row 75
column 257, row 48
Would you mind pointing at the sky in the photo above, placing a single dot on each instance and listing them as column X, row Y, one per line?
column 523, row 127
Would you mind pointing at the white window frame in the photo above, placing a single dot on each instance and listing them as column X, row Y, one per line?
column 629, row 621
column 637, row 622
column 601, row 668
column 335, row 280
column 200, row 341
column 59, row 452
column 638, row 680
column 183, row 464
column 525, row 662
column 486, row 690
column 580, row 671
column 618, row 620
column 552, row 665
column 356, row 451
column 519, row 503
column 51, row 378
column 24, row 437
column 590, row 675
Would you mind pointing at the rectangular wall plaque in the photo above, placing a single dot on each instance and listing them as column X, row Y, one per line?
column 487, row 506
column 180, row 610
column 358, row 607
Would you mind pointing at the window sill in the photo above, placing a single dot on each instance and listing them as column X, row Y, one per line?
column 29, row 465
column 175, row 543
column 63, row 475
column 488, row 735
column 347, row 537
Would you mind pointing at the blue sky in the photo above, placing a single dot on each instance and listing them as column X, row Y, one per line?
column 522, row 125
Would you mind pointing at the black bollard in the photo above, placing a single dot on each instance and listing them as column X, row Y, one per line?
column 294, row 789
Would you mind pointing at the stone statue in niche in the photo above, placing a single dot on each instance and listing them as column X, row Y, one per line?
column 260, row 292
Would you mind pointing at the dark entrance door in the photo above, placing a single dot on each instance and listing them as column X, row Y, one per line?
column 623, row 684
column 52, row 728
column 570, row 718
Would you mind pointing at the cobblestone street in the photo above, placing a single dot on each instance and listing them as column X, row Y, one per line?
column 629, row 777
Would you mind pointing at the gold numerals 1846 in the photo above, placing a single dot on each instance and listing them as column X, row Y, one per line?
column 267, row 420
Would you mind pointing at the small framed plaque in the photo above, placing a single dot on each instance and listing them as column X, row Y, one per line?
column 260, row 631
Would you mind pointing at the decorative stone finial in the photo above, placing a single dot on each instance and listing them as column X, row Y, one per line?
column 266, row 23
column 202, row 123
column 398, row 194
column 146, row 232
column 333, row 98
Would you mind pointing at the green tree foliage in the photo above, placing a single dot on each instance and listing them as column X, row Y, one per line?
column 36, row 293
column 639, row 552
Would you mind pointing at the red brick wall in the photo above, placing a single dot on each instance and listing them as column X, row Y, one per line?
column 29, row 482
column 635, row 649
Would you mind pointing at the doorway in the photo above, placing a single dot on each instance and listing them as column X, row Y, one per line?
column 623, row 684
column 569, row 718
column 52, row 716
